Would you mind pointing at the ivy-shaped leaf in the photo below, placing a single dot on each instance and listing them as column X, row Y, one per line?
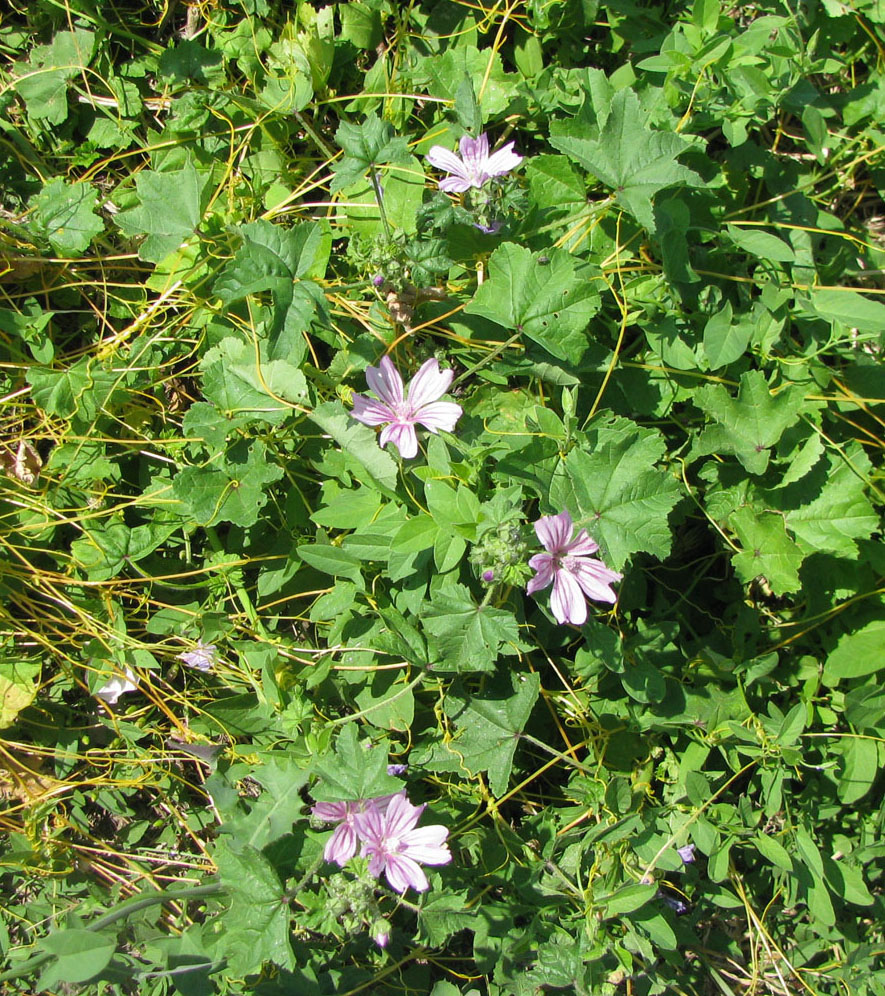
column 469, row 636
column 356, row 770
column 749, row 425
column 371, row 143
column 169, row 210
column 635, row 161
column 767, row 550
column 64, row 213
column 233, row 492
column 257, row 924
column 487, row 729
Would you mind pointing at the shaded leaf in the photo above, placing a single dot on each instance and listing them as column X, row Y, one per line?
column 749, row 425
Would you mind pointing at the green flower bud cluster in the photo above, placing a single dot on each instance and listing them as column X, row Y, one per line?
column 352, row 902
column 383, row 260
column 500, row 555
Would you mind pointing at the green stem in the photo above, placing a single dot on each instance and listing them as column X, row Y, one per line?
column 242, row 595
column 123, row 910
column 556, row 753
column 379, row 197
column 326, row 150
column 488, row 596
column 486, row 359
column 308, row 875
column 384, row 702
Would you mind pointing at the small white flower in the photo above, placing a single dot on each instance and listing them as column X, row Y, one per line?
column 111, row 690
column 201, row 658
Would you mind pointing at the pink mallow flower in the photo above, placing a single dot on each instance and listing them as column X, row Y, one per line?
column 569, row 565
column 342, row 845
column 396, row 847
column 420, row 407
column 475, row 167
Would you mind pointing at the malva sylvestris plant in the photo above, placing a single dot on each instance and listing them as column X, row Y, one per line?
column 396, row 846
column 475, row 167
column 568, row 563
column 342, row 845
column 385, row 830
column 178, row 465
column 400, row 412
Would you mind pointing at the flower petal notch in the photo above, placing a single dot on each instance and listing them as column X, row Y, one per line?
column 399, row 412
column 475, row 167
column 396, row 847
column 575, row 574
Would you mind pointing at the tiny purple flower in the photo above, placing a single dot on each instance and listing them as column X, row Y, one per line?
column 397, row 769
column 420, row 407
column 378, row 279
column 381, row 937
column 686, row 853
column 341, row 846
column 475, row 167
column 394, row 845
column 112, row 689
column 488, row 576
column 491, row 229
column 568, row 564
column 201, row 658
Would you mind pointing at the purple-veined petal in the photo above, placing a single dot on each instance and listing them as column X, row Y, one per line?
column 554, row 531
column 502, row 161
column 401, row 816
column 330, row 811
column 341, row 846
column 567, row 601
column 381, row 802
column 370, row 825
column 582, row 545
column 371, row 412
column 429, row 384
column 428, row 847
column 439, row 415
column 455, row 185
column 594, row 578
column 403, row 437
column 474, row 151
column 401, row 872
column 385, row 381
column 444, row 159
column 376, row 861
column 543, row 564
